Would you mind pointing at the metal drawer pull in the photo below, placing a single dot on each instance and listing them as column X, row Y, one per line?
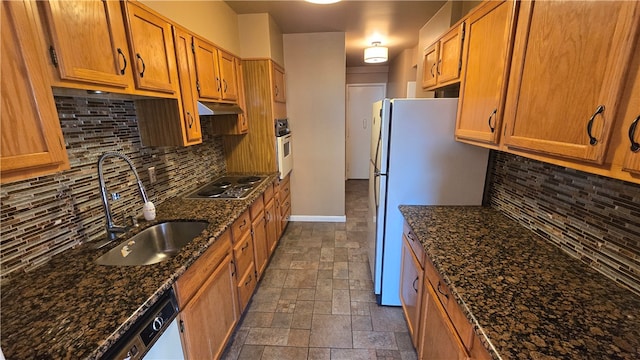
column 124, row 60
column 433, row 67
column 593, row 140
column 414, row 284
column 189, row 119
column 492, row 116
column 246, row 245
column 635, row 146
column 441, row 292
column 410, row 236
column 144, row 67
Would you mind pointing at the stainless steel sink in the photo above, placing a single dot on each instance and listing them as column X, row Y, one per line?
column 153, row 244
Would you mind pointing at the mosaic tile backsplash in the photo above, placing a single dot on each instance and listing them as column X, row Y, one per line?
column 593, row 218
column 44, row 216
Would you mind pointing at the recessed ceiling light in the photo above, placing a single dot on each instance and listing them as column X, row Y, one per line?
column 323, row 1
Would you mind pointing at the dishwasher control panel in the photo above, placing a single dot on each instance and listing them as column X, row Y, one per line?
column 141, row 337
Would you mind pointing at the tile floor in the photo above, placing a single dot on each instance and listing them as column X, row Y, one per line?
column 315, row 300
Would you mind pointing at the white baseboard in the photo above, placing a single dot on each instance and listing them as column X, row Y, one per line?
column 311, row 218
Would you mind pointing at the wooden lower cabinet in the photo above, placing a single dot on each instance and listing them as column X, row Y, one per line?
column 438, row 338
column 261, row 246
column 209, row 303
column 270, row 225
column 411, row 289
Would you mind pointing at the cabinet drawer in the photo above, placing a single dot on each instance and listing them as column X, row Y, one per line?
column 241, row 226
column 285, row 190
column 415, row 244
column 444, row 295
column 243, row 254
column 246, row 285
column 257, row 208
column 285, row 206
column 199, row 271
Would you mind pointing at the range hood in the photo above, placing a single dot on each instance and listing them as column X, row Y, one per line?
column 213, row 108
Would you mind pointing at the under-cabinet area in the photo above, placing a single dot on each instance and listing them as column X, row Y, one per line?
column 492, row 289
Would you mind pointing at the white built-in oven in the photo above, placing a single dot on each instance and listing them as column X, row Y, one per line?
column 285, row 157
column 283, row 141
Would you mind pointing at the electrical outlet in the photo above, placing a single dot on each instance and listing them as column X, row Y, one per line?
column 152, row 174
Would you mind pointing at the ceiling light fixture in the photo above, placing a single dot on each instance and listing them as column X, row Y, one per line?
column 376, row 53
column 322, row 1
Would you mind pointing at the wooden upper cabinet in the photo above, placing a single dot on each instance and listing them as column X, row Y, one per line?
column 449, row 55
column 279, row 94
column 228, row 76
column 483, row 85
column 631, row 118
column 87, row 41
column 430, row 62
column 442, row 60
column 568, row 71
column 32, row 142
column 187, row 77
column 207, row 69
column 152, row 49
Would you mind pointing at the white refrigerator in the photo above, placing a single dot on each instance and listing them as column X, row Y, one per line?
column 414, row 161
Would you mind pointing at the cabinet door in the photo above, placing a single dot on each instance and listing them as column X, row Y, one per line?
column 153, row 51
column 449, row 56
column 32, row 142
column 261, row 247
column 411, row 276
column 210, row 317
column 567, row 75
column 279, row 94
column 242, row 124
column 89, row 41
column 485, row 72
column 429, row 66
column 270, row 217
column 192, row 133
column 228, row 76
column 438, row 337
column 206, row 56
column 631, row 117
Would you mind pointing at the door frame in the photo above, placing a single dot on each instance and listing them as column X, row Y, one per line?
column 346, row 116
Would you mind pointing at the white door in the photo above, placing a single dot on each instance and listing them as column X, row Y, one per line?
column 360, row 99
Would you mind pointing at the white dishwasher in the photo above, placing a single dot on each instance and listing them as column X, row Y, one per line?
column 155, row 336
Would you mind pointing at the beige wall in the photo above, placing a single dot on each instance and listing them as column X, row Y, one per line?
column 315, row 83
column 372, row 74
column 213, row 20
column 260, row 37
column 401, row 70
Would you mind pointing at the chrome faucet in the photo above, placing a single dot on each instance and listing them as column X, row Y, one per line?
column 112, row 229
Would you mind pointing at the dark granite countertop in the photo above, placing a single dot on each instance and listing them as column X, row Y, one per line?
column 72, row 308
column 526, row 298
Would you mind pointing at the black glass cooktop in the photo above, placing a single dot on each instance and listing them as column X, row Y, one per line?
column 227, row 187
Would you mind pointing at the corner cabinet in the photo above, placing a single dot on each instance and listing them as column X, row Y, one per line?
column 87, row 43
column 207, row 296
column 151, row 42
column 28, row 108
column 442, row 60
column 216, row 72
column 567, row 76
column 485, row 72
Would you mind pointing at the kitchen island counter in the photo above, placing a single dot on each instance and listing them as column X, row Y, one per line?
column 526, row 298
column 73, row 308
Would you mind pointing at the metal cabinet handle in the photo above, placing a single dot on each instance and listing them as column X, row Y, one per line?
column 246, row 245
column 414, row 284
column 233, row 272
column 442, row 292
column 189, row 119
column 410, row 236
column 492, row 116
column 432, row 68
column 277, row 92
column 635, row 146
column 218, row 84
column 124, row 60
column 225, row 85
column 592, row 140
column 243, row 223
column 144, row 67
column 439, row 67
column 249, row 280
